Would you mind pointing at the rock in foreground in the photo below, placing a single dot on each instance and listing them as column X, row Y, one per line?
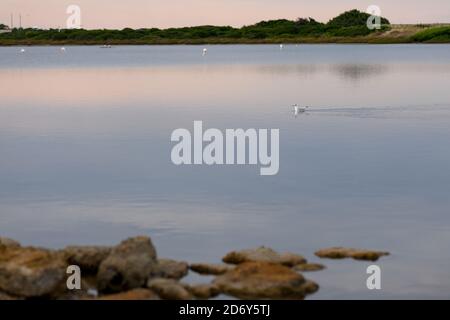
column 30, row 272
column 210, row 269
column 203, row 291
column 88, row 258
column 170, row 269
column 262, row 280
column 131, row 271
column 127, row 266
column 169, row 289
column 135, row 294
column 357, row 254
column 7, row 242
column 263, row 254
column 6, row 297
column 309, row 267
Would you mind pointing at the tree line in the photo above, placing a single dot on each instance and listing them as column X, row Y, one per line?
column 349, row 24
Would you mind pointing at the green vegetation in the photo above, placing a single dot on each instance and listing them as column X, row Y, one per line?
column 349, row 27
column 348, row 24
column 436, row 35
column 3, row 26
column 353, row 18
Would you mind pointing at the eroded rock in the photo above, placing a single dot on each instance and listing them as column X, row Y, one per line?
column 309, row 267
column 263, row 254
column 210, row 269
column 263, row 280
column 7, row 242
column 127, row 266
column 203, row 291
column 169, row 289
column 6, row 297
column 135, row 294
column 30, row 272
column 170, row 269
column 88, row 258
column 357, row 254
column 88, row 286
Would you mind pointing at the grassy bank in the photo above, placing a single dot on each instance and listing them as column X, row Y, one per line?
column 349, row 27
column 393, row 35
column 433, row 35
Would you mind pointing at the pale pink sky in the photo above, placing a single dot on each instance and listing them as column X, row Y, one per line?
column 176, row 13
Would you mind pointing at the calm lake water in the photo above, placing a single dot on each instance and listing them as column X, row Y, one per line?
column 85, row 154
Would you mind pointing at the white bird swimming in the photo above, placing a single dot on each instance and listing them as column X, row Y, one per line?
column 22, row 50
column 281, row 46
column 205, row 51
column 63, row 49
column 298, row 109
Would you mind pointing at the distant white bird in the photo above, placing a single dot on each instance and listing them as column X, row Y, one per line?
column 281, row 46
column 298, row 109
column 63, row 49
column 22, row 50
column 205, row 51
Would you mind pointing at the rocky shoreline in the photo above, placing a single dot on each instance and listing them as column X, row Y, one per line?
column 132, row 271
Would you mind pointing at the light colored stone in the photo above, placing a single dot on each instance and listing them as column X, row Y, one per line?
column 263, row 254
column 30, row 272
column 88, row 285
column 170, row 269
column 7, row 242
column 135, row 294
column 309, row 267
column 169, row 289
column 127, row 266
column 357, row 254
column 203, row 291
column 210, row 269
column 262, row 280
column 88, row 258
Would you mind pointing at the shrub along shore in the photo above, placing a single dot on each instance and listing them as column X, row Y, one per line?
column 349, row 27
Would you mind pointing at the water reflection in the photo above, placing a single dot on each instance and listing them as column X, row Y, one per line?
column 357, row 72
column 297, row 69
column 203, row 85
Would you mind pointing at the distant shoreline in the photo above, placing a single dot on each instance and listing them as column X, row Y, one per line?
column 379, row 38
column 217, row 42
column 350, row 27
